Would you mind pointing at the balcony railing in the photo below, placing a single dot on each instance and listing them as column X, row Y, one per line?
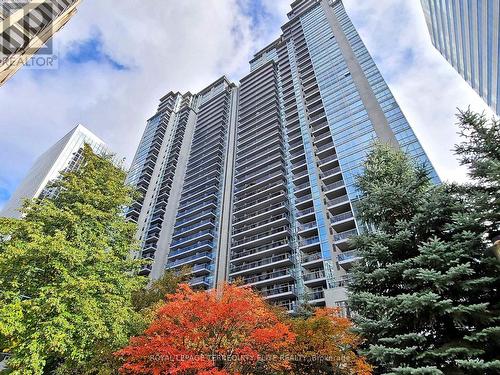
column 320, row 294
column 309, row 241
column 201, row 213
column 341, row 217
column 330, row 172
column 306, row 211
column 262, row 262
column 260, row 223
column 324, row 147
column 191, row 227
column 312, row 257
column 345, row 235
column 334, row 185
column 302, row 186
column 193, row 236
column 328, row 159
column 178, row 262
column 259, row 200
column 199, row 280
column 245, row 240
column 260, row 190
column 301, row 174
column 253, row 165
column 335, row 201
column 259, row 212
column 348, row 256
column 260, row 179
column 307, row 226
column 308, row 276
column 259, row 249
column 259, row 171
column 190, row 247
column 288, row 288
column 267, row 276
column 287, row 305
column 303, row 198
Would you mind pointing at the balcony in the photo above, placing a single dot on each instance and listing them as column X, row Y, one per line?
column 330, row 172
column 337, row 201
column 200, row 269
column 341, row 217
column 187, row 203
column 306, row 226
column 347, row 258
column 288, row 305
column 342, row 281
column 300, row 174
column 196, row 247
column 334, row 186
column 203, row 257
column 275, row 260
column 304, row 198
column 266, row 210
column 198, row 225
column 266, row 188
column 259, row 251
column 312, row 258
column 266, row 170
column 328, row 146
column 315, row 296
column 196, row 208
column 302, row 186
column 269, row 277
column 256, row 202
column 309, row 241
column 275, row 232
column 274, row 219
column 250, row 166
column 256, row 182
column 305, row 212
column 188, row 239
column 200, row 281
column 328, row 159
column 199, row 215
column 310, row 277
column 345, row 235
column 279, row 291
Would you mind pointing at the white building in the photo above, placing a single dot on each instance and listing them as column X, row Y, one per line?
column 64, row 155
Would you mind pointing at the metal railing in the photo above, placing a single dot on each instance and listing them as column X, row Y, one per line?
column 262, row 262
column 308, row 276
column 345, row 235
column 259, row 249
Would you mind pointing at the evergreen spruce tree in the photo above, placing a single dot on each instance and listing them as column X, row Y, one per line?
column 66, row 277
column 422, row 292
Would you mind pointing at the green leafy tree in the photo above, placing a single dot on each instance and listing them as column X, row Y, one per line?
column 422, row 292
column 149, row 298
column 66, row 276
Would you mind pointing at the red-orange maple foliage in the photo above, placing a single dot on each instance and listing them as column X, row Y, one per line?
column 325, row 344
column 230, row 331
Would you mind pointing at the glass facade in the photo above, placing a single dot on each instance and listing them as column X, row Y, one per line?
column 467, row 34
column 268, row 196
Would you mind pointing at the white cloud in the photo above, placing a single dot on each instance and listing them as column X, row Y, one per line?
column 186, row 44
column 425, row 85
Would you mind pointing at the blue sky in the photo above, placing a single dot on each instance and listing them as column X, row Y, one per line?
column 117, row 59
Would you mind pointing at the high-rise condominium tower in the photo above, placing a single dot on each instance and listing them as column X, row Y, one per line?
column 65, row 155
column 467, row 34
column 25, row 26
column 267, row 195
